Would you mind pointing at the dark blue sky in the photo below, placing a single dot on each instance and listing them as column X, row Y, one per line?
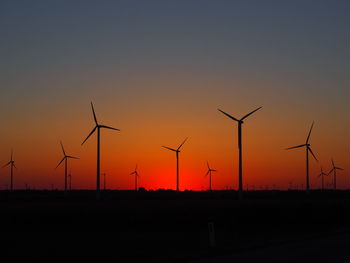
column 213, row 35
column 288, row 47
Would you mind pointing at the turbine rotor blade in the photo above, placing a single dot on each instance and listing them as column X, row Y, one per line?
column 64, row 153
column 308, row 137
column 11, row 154
column 228, row 115
column 72, row 157
column 89, row 135
column 13, row 164
column 330, row 171
column 7, row 164
column 93, row 112
column 60, row 162
column 245, row 116
column 338, row 168
column 107, row 127
column 309, row 149
column 169, row 148
column 302, row 145
column 208, row 165
column 182, row 143
column 207, row 173
column 333, row 162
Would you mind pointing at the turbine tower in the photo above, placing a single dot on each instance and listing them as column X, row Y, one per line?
column 97, row 127
column 240, row 168
column 307, row 146
column 65, row 159
column 322, row 174
column 136, row 175
column 334, row 170
column 12, row 165
column 177, row 151
column 209, row 173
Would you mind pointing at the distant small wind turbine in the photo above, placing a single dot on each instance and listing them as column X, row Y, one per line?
column 240, row 168
column 209, row 174
column 65, row 159
column 136, row 175
column 334, row 170
column 12, row 165
column 98, row 128
column 177, row 161
column 322, row 174
column 307, row 146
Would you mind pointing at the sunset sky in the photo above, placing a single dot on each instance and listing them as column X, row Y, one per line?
column 158, row 71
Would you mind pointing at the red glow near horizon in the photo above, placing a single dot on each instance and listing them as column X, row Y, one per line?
column 212, row 138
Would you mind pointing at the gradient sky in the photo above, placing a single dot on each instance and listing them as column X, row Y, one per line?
column 158, row 70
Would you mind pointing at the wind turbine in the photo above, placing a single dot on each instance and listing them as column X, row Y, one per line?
column 322, row 174
column 65, row 159
column 12, row 165
column 97, row 127
column 334, row 170
column 177, row 161
column 136, row 175
column 209, row 173
column 240, row 168
column 307, row 146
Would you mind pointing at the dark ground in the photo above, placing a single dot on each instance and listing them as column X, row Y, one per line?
column 165, row 226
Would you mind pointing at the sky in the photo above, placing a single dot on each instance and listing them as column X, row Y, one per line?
column 158, row 71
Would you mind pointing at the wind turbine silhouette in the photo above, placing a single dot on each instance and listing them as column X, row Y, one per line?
column 177, row 161
column 97, row 127
column 136, row 175
column 12, row 165
column 334, row 170
column 209, row 173
column 322, row 174
column 240, row 168
column 307, row 146
column 65, row 159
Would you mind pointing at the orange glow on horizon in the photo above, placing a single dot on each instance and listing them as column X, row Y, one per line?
column 147, row 124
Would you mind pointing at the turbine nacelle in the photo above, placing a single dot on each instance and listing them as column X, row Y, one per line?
column 307, row 144
column 240, row 121
column 209, row 170
column 135, row 171
column 65, row 156
column 11, row 162
column 178, row 148
column 335, row 168
column 97, row 126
